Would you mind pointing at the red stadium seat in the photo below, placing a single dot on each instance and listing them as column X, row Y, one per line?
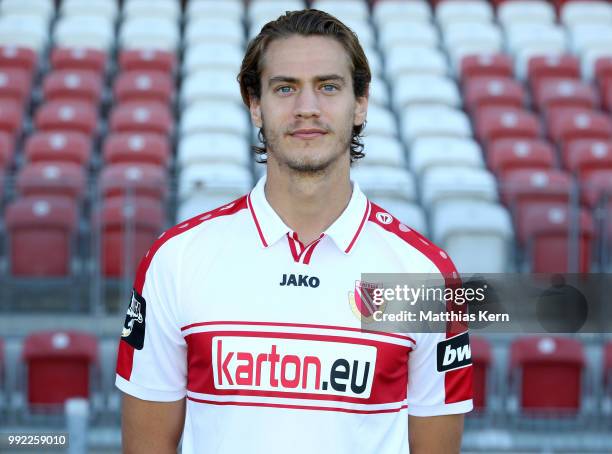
column 584, row 156
column 557, row 93
column 52, row 178
column 552, row 66
column 137, row 148
column 7, row 145
column 60, row 366
column 73, row 84
column 145, row 180
column 72, row 147
column 548, row 372
column 487, row 65
column 66, row 58
column 147, row 59
column 546, row 230
column 144, row 86
column 493, row 91
column 566, row 124
column 603, row 68
column 58, row 115
column 481, row 360
column 18, row 57
column 121, row 227
column 11, row 117
column 507, row 155
column 15, row 84
column 40, row 231
column 494, row 123
column 596, row 187
column 141, row 117
column 606, row 93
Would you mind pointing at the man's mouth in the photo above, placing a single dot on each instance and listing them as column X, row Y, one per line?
column 308, row 134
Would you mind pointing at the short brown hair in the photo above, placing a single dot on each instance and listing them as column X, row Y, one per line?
column 308, row 22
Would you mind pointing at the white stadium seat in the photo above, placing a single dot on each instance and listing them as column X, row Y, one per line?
column 205, row 9
column 530, row 11
column 408, row 213
column 414, row 59
column 584, row 37
column 544, row 36
column 374, row 60
column 167, row 9
column 476, row 234
column 416, row 89
column 214, row 116
column 473, row 35
column 448, row 12
column 85, row 31
column 416, row 33
column 587, row 13
column 213, row 56
column 384, row 13
column 428, row 121
column 213, row 178
column 213, row 148
column 149, row 33
column 24, row 30
column 382, row 181
column 379, row 92
column 210, row 84
column 429, row 152
column 588, row 60
column 42, row 9
column 345, row 10
column 383, row 151
column 465, row 183
column 100, row 8
column 205, row 30
column 262, row 11
column 380, row 121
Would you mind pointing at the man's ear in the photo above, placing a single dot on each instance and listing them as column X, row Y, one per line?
column 255, row 110
column 361, row 109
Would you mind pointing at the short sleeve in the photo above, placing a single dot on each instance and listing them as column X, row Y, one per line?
column 152, row 357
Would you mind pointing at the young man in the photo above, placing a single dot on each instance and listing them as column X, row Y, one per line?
column 240, row 336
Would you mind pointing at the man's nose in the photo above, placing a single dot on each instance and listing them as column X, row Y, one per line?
column 307, row 104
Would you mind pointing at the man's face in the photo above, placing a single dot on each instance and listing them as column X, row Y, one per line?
column 307, row 107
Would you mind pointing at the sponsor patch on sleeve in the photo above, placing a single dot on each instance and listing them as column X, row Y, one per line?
column 134, row 326
column 454, row 353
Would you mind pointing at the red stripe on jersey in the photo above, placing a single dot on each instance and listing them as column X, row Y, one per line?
column 457, row 383
column 250, row 205
column 365, row 217
column 310, row 249
column 389, row 384
column 126, row 351
column 298, row 407
column 293, row 247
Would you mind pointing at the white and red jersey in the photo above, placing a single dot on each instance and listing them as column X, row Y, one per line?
column 255, row 329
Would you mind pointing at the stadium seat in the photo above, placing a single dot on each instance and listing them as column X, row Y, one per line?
column 428, row 152
column 495, row 123
column 552, row 66
column 345, row 10
column 18, row 57
column 567, row 124
column 11, row 117
column 137, row 148
column 73, row 84
column 485, row 65
column 214, row 116
column 43, row 9
column 101, row 8
column 410, row 214
column 59, row 115
column 547, row 38
column 60, row 365
column 551, row 93
column 419, row 89
column 149, row 32
column 360, row 26
column 379, row 92
column 583, row 156
column 481, row 359
column 232, row 9
column 78, row 58
column 476, row 234
column 585, row 37
column 383, row 181
column 412, row 59
column 603, row 68
column 7, row 145
column 266, row 10
column 596, row 188
column 464, row 183
column 380, row 122
column 386, row 12
column 509, row 13
column 606, row 93
column 507, row 155
column 147, row 60
column 427, row 121
column 40, row 223
column 24, row 30
column 588, row 13
column 588, row 60
column 167, row 9
column 212, row 148
column 212, row 55
column 211, row 29
column 213, row 179
column 52, row 178
column 383, row 151
column 493, row 91
column 449, row 12
column 547, row 374
column 129, row 226
column 209, row 84
column 144, row 86
column 142, row 180
column 398, row 33
column 73, row 147
column 141, row 116
column 374, row 60
column 470, row 37
column 88, row 31
column 15, row 84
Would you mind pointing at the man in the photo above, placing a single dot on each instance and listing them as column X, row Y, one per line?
column 239, row 335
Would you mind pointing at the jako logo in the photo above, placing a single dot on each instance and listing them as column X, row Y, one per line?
column 293, row 365
column 454, row 353
column 302, row 280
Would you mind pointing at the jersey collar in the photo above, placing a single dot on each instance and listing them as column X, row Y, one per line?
column 344, row 231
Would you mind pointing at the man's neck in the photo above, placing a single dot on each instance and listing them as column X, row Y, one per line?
column 308, row 203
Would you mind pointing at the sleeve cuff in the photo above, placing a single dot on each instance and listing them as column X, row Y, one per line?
column 437, row 410
column 146, row 393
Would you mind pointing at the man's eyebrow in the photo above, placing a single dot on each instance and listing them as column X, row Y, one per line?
column 293, row 80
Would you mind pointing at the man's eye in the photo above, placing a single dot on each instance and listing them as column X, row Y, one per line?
column 284, row 89
column 329, row 87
